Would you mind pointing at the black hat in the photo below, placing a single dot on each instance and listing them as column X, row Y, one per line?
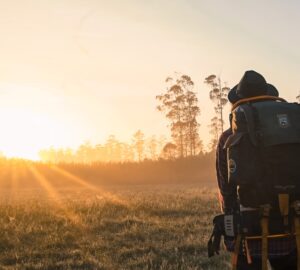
column 232, row 95
column 272, row 90
column 252, row 84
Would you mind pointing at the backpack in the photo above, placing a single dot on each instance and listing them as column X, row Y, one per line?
column 263, row 152
column 263, row 159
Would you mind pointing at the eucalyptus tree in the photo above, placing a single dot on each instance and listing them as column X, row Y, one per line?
column 218, row 94
column 169, row 151
column 180, row 105
column 214, row 127
column 139, row 142
column 152, row 145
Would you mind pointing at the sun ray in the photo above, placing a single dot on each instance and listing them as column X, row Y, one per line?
column 74, row 178
column 5, row 182
column 54, row 195
column 14, row 177
column 84, row 183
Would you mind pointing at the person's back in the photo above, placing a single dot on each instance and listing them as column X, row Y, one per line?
column 244, row 191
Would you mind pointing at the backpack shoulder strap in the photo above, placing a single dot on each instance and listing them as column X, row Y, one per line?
column 249, row 116
column 253, row 99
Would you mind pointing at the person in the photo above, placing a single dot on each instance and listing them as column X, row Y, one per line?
column 281, row 252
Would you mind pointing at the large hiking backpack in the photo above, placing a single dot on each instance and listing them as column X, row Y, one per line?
column 263, row 158
column 264, row 152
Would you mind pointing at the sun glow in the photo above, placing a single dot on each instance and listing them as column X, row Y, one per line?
column 24, row 133
column 54, row 195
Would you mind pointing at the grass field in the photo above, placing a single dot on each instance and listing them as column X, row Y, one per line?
column 137, row 227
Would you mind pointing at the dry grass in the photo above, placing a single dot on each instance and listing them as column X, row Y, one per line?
column 141, row 227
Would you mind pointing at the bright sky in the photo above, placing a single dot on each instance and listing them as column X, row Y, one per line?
column 77, row 70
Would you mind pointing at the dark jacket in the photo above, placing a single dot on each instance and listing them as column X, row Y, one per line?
column 228, row 193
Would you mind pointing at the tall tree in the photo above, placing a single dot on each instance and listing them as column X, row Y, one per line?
column 181, row 107
column 128, row 152
column 192, row 111
column 298, row 97
column 112, row 148
column 83, row 152
column 169, row 151
column 138, row 142
column 218, row 94
column 152, row 147
column 214, row 127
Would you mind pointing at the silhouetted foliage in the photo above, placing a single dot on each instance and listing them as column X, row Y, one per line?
column 111, row 151
column 138, row 142
column 214, row 128
column 218, row 94
column 152, row 145
column 180, row 106
column 169, row 151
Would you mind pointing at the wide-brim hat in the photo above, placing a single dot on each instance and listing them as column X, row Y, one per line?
column 233, row 96
column 252, row 84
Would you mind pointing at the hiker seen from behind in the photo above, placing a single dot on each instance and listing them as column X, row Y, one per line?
column 257, row 163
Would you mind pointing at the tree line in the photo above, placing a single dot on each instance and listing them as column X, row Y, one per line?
column 180, row 105
column 112, row 150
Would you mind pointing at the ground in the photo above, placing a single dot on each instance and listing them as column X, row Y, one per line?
column 135, row 227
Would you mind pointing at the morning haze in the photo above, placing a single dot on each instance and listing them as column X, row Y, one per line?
column 110, row 115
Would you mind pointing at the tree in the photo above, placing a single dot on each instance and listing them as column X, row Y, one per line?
column 180, row 105
column 83, row 152
column 152, row 145
column 169, row 151
column 192, row 111
column 128, row 152
column 214, row 128
column 112, row 149
column 138, row 142
column 218, row 95
column 298, row 97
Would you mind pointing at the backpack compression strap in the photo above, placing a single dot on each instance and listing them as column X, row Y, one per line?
column 245, row 100
column 265, row 231
column 297, row 230
column 235, row 254
column 283, row 199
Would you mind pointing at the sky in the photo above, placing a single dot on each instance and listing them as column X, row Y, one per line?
column 78, row 70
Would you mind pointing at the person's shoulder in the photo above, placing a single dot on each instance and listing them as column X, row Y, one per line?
column 223, row 138
column 226, row 134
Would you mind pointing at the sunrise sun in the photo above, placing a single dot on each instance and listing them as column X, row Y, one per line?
column 24, row 133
